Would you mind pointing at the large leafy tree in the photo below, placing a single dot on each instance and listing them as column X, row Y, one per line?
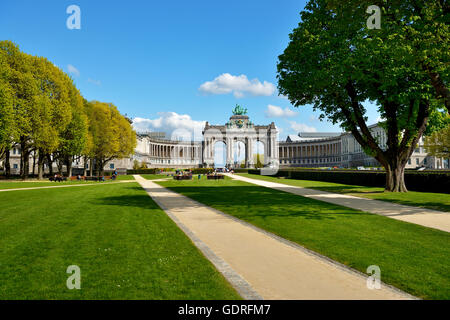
column 6, row 111
column 52, row 110
column 111, row 134
column 438, row 143
column 336, row 63
column 24, row 90
column 73, row 137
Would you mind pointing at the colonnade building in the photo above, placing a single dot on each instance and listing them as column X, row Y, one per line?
column 307, row 149
column 342, row 150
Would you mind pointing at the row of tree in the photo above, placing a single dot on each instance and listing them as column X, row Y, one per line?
column 44, row 114
column 335, row 62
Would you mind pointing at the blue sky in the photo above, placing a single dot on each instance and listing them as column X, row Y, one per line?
column 169, row 64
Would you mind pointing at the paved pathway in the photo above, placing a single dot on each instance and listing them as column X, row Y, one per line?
column 425, row 217
column 68, row 185
column 260, row 264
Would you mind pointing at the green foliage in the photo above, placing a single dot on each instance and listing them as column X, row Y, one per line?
column 259, row 160
column 438, row 143
column 111, row 135
column 336, row 63
column 135, row 165
column 41, row 108
column 143, row 165
column 439, row 119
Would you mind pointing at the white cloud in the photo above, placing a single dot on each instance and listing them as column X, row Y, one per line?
column 96, row 82
column 176, row 126
column 238, row 85
column 301, row 127
column 277, row 112
column 73, row 70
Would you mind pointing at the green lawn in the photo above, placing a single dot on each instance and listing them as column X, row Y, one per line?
column 125, row 245
column 411, row 257
column 155, row 176
column 436, row 201
column 15, row 184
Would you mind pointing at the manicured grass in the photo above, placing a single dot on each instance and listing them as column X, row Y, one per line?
column 435, row 201
column 155, row 176
column 15, row 184
column 411, row 257
column 124, row 244
column 125, row 177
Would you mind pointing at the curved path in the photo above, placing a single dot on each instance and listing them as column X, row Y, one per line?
column 258, row 263
column 425, row 217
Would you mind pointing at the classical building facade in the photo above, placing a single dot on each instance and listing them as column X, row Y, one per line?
column 331, row 149
column 306, row 149
column 240, row 130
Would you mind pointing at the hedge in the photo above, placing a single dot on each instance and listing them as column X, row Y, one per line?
column 415, row 181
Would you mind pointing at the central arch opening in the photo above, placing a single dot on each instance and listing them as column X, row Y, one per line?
column 220, row 154
column 239, row 154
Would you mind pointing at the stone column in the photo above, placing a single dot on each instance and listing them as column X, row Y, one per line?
column 251, row 163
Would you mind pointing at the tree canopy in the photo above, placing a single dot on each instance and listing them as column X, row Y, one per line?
column 337, row 64
column 42, row 110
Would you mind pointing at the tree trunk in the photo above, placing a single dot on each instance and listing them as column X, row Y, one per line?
column 59, row 164
column 34, row 163
column 24, row 160
column 50, row 164
column 69, row 166
column 7, row 164
column 99, row 167
column 395, row 178
column 85, row 161
column 41, row 158
column 91, row 170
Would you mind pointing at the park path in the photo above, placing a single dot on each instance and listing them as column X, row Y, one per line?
column 258, row 263
column 425, row 217
column 68, row 185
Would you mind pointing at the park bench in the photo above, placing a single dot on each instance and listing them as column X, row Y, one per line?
column 188, row 177
column 58, row 179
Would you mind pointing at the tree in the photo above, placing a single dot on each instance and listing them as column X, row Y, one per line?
column 73, row 139
column 112, row 134
column 438, row 143
column 24, row 89
column 6, row 111
column 136, row 165
column 143, row 165
column 259, row 160
column 439, row 119
column 336, row 63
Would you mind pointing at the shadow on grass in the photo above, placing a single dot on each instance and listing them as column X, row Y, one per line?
column 256, row 201
column 242, row 201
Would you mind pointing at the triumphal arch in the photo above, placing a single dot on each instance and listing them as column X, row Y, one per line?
column 240, row 129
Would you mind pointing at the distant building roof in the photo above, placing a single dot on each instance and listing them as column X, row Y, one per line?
column 317, row 135
column 293, row 138
column 156, row 135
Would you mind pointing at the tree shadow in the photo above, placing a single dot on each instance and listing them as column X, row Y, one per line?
column 256, row 201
